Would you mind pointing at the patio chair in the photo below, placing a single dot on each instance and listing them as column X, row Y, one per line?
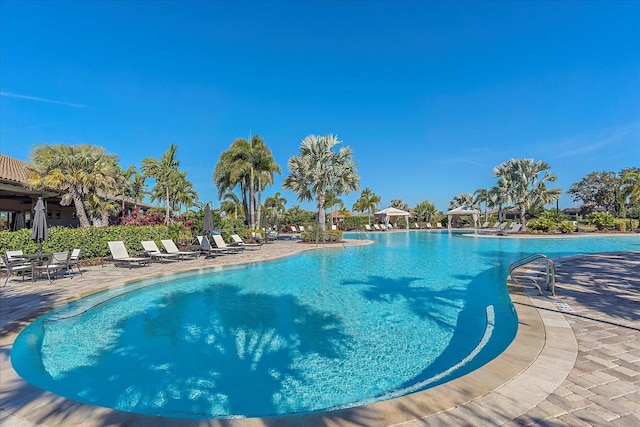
column 515, row 228
column 120, row 256
column 237, row 241
column 74, row 259
column 56, row 261
column 171, row 248
column 14, row 266
column 416, row 225
column 12, row 254
column 429, row 225
column 152, row 250
column 206, row 248
column 221, row 244
column 367, row 227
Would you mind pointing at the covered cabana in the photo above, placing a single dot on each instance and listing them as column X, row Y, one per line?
column 389, row 214
column 461, row 211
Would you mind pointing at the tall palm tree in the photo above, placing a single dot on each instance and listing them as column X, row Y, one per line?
column 74, row 170
column 525, row 182
column 136, row 187
column 164, row 172
column 367, row 202
column 399, row 204
column 247, row 165
column 318, row 169
column 497, row 198
column 182, row 192
column 276, row 204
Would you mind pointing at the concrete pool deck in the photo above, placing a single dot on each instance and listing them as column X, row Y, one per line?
column 575, row 360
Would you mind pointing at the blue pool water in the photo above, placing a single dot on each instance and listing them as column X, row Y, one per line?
column 322, row 330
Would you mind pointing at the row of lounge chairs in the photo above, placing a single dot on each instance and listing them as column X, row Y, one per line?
column 500, row 228
column 121, row 257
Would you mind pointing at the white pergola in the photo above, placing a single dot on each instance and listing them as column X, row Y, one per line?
column 463, row 210
column 389, row 213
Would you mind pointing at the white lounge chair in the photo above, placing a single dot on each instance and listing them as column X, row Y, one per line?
column 152, row 250
column 205, row 247
column 171, row 248
column 120, row 256
column 367, row 227
column 515, row 228
column 237, row 241
column 221, row 244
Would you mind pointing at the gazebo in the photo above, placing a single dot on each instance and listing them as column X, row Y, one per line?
column 390, row 212
column 463, row 210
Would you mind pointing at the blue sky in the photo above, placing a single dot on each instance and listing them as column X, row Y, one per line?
column 430, row 95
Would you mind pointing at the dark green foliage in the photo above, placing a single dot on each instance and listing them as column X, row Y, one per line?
column 92, row 241
column 601, row 220
column 354, row 222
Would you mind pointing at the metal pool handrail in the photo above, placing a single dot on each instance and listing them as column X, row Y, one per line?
column 550, row 272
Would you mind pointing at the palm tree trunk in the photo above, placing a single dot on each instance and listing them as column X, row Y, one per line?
column 80, row 212
column 522, row 219
column 252, row 201
column 167, row 216
column 321, row 212
column 259, row 203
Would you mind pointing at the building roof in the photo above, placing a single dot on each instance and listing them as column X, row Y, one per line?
column 13, row 170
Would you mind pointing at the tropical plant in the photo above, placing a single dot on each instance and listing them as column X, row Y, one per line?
column 630, row 185
column 600, row 220
column 276, row 204
column 250, row 166
column 399, row 204
column 465, row 199
column 424, row 211
column 74, row 170
column 331, row 200
column 318, row 170
column 480, row 196
column 367, row 202
column 164, row 172
column 297, row 215
column 182, row 192
column 231, row 205
column 525, row 183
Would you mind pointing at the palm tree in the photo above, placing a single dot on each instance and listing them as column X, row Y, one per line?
column 525, row 182
column 331, row 200
column 497, row 197
column 480, row 196
column 163, row 171
column 399, row 204
column 182, row 192
column 465, row 199
column 367, row 202
column 249, row 165
column 277, row 205
column 318, row 170
column 424, row 210
column 231, row 204
column 74, row 170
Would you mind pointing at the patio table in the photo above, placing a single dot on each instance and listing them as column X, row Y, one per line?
column 35, row 260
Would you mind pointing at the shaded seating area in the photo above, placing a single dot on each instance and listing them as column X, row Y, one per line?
column 52, row 264
column 171, row 248
column 120, row 256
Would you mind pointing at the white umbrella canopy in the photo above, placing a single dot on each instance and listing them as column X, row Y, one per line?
column 388, row 213
column 463, row 210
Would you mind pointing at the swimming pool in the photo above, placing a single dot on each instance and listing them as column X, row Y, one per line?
column 322, row 330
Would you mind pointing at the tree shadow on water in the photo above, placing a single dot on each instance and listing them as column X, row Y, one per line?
column 216, row 352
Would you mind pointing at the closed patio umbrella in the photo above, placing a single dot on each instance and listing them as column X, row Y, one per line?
column 207, row 226
column 39, row 228
column 18, row 221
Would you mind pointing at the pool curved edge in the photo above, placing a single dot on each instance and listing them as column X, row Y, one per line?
column 511, row 384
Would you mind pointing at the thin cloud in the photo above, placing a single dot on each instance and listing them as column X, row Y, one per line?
column 35, row 98
column 584, row 145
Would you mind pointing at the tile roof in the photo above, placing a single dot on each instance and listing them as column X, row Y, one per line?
column 13, row 169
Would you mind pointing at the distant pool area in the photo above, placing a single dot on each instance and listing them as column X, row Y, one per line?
column 284, row 310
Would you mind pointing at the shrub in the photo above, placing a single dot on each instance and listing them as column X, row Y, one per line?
column 566, row 227
column 92, row 241
column 601, row 220
column 354, row 222
column 542, row 224
column 316, row 234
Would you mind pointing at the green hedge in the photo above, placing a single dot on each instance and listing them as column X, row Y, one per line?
column 354, row 222
column 317, row 235
column 92, row 241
